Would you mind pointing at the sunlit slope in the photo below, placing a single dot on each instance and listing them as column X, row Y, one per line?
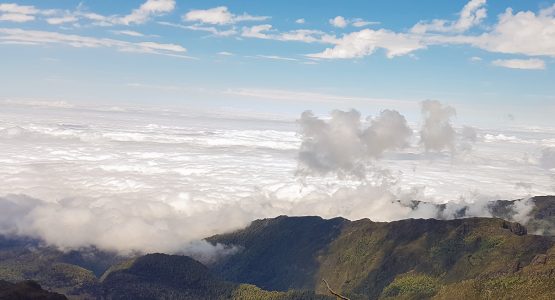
column 365, row 259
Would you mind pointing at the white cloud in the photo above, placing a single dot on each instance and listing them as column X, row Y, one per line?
column 147, row 10
column 341, row 22
column 437, row 132
column 306, row 97
column 128, row 33
column 526, row 64
column 521, row 33
column 257, row 31
column 150, row 8
column 300, row 21
column 266, row 31
column 166, row 179
column 303, row 35
column 77, row 41
column 367, row 41
column 213, row 30
column 225, row 53
column 362, row 23
column 338, row 22
column 472, row 14
column 343, row 146
column 524, row 32
column 13, row 12
column 61, row 20
column 276, row 57
column 547, row 158
column 210, row 29
column 219, row 16
column 18, row 9
column 18, row 18
column 475, row 59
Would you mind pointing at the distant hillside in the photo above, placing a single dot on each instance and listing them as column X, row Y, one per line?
column 371, row 260
column 26, row 290
column 542, row 216
column 289, row 257
column 161, row 276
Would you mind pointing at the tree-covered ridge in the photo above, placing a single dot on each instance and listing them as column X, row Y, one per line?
column 365, row 258
column 290, row 257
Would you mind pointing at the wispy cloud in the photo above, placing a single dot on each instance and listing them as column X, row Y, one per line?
column 305, row 96
column 276, row 57
column 526, row 64
column 128, row 33
column 342, row 22
column 472, row 14
column 210, row 29
column 219, row 16
column 77, row 41
column 147, row 10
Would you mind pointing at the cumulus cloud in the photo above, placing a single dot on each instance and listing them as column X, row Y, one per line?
column 524, row 32
column 367, row 41
column 471, row 15
column 147, row 10
column 338, row 22
column 342, row 146
column 300, row 21
column 437, row 132
column 219, row 16
column 525, row 64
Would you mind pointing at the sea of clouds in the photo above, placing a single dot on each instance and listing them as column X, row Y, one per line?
column 129, row 179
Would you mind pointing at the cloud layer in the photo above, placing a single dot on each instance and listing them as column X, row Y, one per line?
column 131, row 179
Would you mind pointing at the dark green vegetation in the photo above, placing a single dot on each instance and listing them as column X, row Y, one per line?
column 162, row 276
column 26, row 290
column 412, row 259
column 288, row 258
column 152, row 276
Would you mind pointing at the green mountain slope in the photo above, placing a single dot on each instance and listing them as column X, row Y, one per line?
column 26, row 290
column 279, row 253
column 289, row 257
column 364, row 258
column 161, row 276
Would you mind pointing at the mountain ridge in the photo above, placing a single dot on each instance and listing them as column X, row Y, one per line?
column 289, row 257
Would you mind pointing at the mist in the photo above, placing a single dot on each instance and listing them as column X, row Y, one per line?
column 161, row 181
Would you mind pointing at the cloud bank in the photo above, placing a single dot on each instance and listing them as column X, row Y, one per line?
column 129, row 179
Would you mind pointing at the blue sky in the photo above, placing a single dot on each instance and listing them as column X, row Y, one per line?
column 489, row 59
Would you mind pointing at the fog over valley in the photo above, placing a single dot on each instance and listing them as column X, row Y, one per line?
column 135, row 179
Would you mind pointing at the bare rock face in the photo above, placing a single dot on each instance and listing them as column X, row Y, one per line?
column 515, row 228
column 539, row 259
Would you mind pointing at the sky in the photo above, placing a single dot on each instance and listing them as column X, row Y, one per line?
column 150, row 125
column 493, row 60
